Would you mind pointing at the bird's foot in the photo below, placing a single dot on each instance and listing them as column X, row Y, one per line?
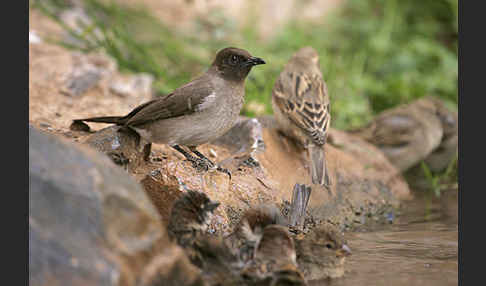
column 200, row 165
column 203, row 165
column 118, row 158
column 210, row 164
column 223, row 170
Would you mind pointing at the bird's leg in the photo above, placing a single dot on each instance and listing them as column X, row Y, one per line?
column 147, row 148
column 218, row 168
column 197, row 163
column 200, row 155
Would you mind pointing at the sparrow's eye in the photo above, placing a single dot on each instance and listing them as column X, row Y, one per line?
column 328, row 245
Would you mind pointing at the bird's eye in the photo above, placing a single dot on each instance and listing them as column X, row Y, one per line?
column 234, row 59
column 328, row 245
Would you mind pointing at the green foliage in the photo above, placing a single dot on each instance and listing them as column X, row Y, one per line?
column 137, row 40
column 442, row 181
column 374, row 54
column 380, row 53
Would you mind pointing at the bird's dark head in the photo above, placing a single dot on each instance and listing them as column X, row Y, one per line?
column 202, row 205
column 194, row 209
column 235, row 64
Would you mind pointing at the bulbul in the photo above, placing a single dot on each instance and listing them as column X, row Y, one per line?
column 321, row 253
column 301, row 107
column 195, row 113
column 189, row 219
column 274, row 261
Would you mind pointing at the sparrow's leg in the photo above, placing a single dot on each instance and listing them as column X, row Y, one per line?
column 197, row 163
column 201, row 155
column 119, row 158
column 218, row 168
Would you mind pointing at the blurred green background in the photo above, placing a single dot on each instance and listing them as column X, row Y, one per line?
column 374, row 54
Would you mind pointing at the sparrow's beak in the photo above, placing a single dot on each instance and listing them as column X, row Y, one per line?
column 253, row 61
column 344, row 251
column 212, row 206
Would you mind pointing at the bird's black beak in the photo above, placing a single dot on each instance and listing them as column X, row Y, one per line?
column 212, row 206
column 253, row 61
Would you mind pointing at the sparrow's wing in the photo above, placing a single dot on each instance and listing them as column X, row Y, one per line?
column 185, row 100
column 391, row 129
column 303, row 98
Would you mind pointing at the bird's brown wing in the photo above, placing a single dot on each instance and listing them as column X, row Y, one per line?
column 183, row 101
column 395, row 128
column 303, row 98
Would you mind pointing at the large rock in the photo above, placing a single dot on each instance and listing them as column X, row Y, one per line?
column 364, row 183
column 265, row 166
column 91, row 224
column 121, row 145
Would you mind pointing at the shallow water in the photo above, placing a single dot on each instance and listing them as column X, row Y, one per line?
column 419, row 248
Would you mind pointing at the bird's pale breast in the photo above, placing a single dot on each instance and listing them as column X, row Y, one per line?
column 215, row 117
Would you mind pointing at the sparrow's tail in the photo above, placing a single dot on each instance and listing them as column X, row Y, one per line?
column 300, row 199
column 118, row 120
column 319, row 171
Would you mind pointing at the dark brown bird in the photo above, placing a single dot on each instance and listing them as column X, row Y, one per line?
column 189, row 220
column 301, row 106
column 274, row 262
column 195, row 113
column 321, row 253
column 249, row 230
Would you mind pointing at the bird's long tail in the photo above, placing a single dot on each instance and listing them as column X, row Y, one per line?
column 319, row 172
column 118, row 120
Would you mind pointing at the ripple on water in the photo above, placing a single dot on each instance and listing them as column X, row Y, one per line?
column 421, row 248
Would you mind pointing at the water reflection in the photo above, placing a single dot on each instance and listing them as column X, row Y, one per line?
column 419, row 248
